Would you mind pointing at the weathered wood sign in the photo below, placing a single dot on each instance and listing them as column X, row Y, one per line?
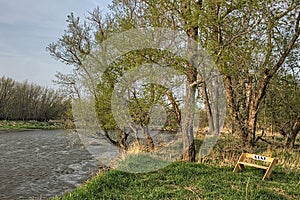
column 242, row 163
column 261, row 158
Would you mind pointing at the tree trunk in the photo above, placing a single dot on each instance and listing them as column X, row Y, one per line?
column 238, row 124
column 290, row 140
column 252, row 123
column 188, row 124
column 246, row 124
column 122, row 140
column 207, row 104
column 135, row 131
column 291, row 137
column 175, row 106
column 148, row 139
column 241, row 131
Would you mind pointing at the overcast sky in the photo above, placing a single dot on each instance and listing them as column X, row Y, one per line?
column 26, row 29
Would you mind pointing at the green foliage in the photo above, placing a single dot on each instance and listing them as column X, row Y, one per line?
column 140, row 163
column 142, row 97
column 282, row 104
column 250, row 41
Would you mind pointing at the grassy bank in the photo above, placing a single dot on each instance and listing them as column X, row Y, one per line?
column 189, row 181
column 210, row 178
column 25, row 125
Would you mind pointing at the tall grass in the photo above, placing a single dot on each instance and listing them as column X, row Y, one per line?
column 228, row 149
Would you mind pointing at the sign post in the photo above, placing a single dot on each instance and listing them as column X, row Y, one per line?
column 241, row 163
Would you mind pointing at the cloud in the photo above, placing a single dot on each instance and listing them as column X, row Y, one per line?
column 26, row 21
column 33, row 11
column 27, row 27
column 9, row 54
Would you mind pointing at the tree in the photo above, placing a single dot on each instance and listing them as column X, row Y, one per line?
column 153, row 13
column 281, row 107
column 139, row 98
column 24, row 101
column 249, row 41
column 7, row 89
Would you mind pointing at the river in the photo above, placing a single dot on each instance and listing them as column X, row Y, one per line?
column 41, row 164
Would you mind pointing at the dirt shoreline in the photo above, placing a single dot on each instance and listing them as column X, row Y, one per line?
column 17, row 130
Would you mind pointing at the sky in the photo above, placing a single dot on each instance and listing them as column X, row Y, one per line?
column 27, row 27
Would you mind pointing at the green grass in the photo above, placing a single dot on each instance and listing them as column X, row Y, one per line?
column 25, row 125
column 141, row 163
column 211, row 179
column 189, row 181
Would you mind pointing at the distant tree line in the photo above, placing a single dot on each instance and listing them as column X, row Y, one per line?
column 27, row 101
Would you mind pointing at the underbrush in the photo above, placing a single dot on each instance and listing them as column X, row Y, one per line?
column 228, row 149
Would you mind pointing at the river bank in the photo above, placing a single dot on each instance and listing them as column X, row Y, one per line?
column 8, row 126
column 182, row 180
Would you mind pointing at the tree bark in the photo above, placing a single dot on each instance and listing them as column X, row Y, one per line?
column 268, row 75
column 252, row 124
column 122, row 140
column 291, row 137
column 175, row 106
column 148, row 138
column 246, row 125
column 207, row 104
column 188, row 125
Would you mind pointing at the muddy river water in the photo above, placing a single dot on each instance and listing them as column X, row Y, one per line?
column 42, row 164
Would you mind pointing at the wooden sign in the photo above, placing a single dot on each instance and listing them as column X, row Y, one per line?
column 261, row 158
column 241, row 163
